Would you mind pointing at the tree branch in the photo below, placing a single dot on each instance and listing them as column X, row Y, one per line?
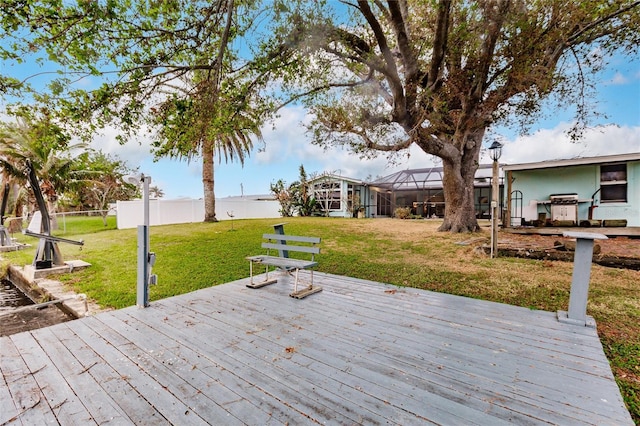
column 370, row 144
column 322, row 88
column 407, row 53
column 575, row 38
column 391, row 71
column 495, row 15
column 439, row 44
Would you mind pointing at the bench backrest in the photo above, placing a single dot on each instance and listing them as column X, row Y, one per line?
column 275, row 243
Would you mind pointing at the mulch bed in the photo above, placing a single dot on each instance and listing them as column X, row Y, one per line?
column 621, row 252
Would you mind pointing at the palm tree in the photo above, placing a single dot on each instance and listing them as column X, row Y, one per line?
column 156, row 192
column 215, row 111
column 46, row 146
column 207, row 122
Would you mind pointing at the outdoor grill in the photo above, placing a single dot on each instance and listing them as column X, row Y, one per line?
column 564, row 207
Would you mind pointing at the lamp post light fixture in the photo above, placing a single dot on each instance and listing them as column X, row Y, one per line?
column 495, row 151
column 136, row 180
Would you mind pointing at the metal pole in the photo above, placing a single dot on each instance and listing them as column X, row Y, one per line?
column 142, row 288
column 577, row 313
column 144, row 243
column 580, row 280
column 494, row 211
column 146, row 180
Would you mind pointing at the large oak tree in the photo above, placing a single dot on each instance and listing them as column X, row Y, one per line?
column 383, row 75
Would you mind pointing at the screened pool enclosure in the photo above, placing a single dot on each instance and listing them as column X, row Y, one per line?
column 418, row 189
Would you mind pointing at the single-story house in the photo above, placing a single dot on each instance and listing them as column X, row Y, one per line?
column 574, row 190
column 421, row 191
column 339, row 196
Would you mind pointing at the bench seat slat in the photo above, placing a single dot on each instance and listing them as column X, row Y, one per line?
column 279, row 242
column 304, row 249
column 283, row 262
column 295, row 238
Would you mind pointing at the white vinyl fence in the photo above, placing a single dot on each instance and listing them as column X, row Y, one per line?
column 164, row 212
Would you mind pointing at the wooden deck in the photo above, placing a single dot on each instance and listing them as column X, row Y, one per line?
column 358, row 352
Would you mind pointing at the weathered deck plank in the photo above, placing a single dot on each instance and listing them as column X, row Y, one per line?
column 357, row 353
column 467, row 369
column 61, row 399
column 456, row 383
column 128, row 408
column 21, row 385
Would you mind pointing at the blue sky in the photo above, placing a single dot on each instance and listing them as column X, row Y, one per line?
column 286, row 146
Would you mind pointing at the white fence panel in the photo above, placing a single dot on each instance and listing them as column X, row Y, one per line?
column 164, row 212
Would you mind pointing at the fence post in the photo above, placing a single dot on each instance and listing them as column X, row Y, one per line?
column 579, row 295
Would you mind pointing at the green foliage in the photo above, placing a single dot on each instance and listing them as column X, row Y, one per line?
column 440, row 74
column 402, row 213
column 295, row 197
column 71, row 176
column 171, row 67
column 37, row 139
column 99, row 181
column 304, row 200
column 41, row 141
column 284, row 197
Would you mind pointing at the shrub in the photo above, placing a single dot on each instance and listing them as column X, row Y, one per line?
column 402, row 213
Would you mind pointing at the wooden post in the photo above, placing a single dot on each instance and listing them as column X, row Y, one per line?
column 506, row 223
column 579, row 295
column 494, row 210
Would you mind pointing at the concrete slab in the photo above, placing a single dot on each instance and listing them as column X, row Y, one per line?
column 69, row 266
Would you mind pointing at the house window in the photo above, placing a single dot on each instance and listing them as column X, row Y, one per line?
column 613, row 183
column 328, row 195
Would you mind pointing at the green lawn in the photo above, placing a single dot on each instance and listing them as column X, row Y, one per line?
column 406, row 253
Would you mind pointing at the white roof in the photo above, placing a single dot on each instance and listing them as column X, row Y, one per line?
column 333, row 177
column 619, row 158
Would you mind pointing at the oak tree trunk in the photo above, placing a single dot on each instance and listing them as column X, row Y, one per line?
column 208, row 182
column 458, row 183
column 460, row 215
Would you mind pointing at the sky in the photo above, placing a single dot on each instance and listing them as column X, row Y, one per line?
column 286, row 146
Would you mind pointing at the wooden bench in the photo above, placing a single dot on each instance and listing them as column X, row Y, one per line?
column 279, row 242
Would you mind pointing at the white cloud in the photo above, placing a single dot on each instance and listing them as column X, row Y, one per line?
column 285, row 138
column 554, row 144
column 133, row 152
column 288, row 143
column 619, row 78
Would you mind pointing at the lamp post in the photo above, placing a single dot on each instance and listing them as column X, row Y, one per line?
column 495, row 151
column 146, row 259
